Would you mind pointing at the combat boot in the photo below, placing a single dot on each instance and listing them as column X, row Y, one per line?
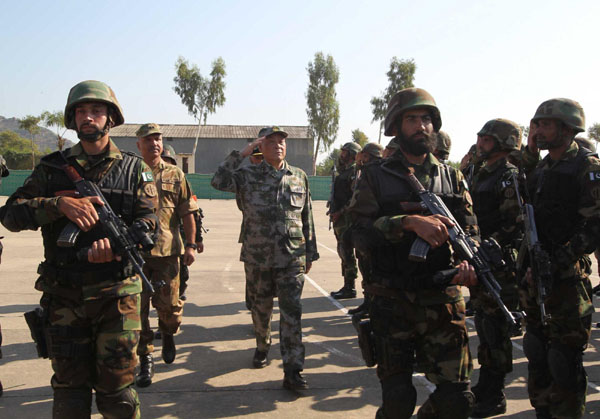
column 293, row 380
column 490, row 400
column 144, row 378
column 347, row 291
column 362, row 310
column 168, row 348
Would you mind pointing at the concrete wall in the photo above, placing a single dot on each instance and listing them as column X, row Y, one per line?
column 212, row 151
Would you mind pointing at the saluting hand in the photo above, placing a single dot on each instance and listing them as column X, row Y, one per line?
column 251, row 146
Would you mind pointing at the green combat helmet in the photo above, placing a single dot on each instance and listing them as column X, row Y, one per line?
column 567, row 111
column 92, row 91
column 169, row 155
column 442, row 147
column 408, row 99
column 352, row 147
column 507, row 133
column 374, row 149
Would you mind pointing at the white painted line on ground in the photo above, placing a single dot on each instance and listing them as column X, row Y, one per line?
column 327, row 295
column 328, row 248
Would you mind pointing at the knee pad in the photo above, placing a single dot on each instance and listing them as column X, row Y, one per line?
column 448, row 401
column 72, row 403
column 399, row 396
column 535, row 349
column 566, row 366
column 120, row 405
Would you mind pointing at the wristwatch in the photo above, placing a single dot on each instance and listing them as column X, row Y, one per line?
column 192, row 245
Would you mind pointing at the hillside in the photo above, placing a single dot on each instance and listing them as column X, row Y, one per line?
column 44, row 139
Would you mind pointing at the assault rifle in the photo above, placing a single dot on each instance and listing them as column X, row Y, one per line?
column 124, row 240
column 330, row 201
column 539, row 260
column 466, row 249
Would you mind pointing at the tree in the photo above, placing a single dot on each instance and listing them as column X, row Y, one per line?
column 16, row 150
column 359, row 137
column 594, row 132
column 401, row 76
column 322, row 108
column 29, row 124
column 55, row 119
column 200, row 95
column 324, row 168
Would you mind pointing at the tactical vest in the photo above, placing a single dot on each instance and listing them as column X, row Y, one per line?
column 487, row 200
column 118, row 186
column 390, row 265
column 556, row 193
column 343, row 187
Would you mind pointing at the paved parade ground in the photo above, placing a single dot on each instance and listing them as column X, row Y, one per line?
column 212, row 376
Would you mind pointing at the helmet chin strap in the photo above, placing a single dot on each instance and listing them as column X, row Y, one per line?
column 96, row 135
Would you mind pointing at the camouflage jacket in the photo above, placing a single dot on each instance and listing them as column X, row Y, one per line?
column 35, row 205
column 344, row 183
column 278, row 228
column 495, row 202
column 566, row 199
column 380, row 203
column 175, row 200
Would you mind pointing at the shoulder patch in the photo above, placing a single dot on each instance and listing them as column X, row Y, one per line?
column 594, row 176
column 147, row 177
column 150, row 190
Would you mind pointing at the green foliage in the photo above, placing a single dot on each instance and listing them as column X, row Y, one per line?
column 323, row 109
column 16, row 150
column 55, row 119
column 401, row 75
column 199, row 94
column 324, row 168
column 359, row 137
column 455, row 164
column 594, row 132
column 29, row 124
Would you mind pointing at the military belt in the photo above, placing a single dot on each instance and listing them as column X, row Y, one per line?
column 384, row 292
column 75, row 277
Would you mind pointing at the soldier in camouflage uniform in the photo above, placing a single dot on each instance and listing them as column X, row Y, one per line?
column 442, row 148
column 565, row 191
column 3, row 173
column 417, row 324
column 168, row 156
column 91, row 300
column 175, row 206
column 496, row 206
column 278, row 244
column 370, row 154
column 342, row 192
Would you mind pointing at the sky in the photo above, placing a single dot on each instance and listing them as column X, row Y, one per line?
column 480, row 59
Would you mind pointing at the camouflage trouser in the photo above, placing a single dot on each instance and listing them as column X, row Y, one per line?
column 286, row 284
column 166, row 301
column 346, row 254
column 557, row 380
column 431, row 339
column 93, row 343
column 494, row 331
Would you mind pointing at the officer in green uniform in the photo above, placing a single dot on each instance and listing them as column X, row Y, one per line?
column 90, row 295
column 565, row 191
column 497, row 208
column 342, row 188
column 418, row 325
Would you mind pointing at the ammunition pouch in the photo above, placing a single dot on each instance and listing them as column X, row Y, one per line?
column 36, row 321
column 366, row 340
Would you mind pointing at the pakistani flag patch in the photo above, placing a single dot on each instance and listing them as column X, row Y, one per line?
column 147, row 177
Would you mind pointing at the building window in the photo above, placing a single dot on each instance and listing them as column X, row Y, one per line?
column 184, row 163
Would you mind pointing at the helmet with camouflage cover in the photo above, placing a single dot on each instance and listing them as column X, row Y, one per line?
column 408, row 99
column 374, row 149
column 507, row 133
column 92, row 91
column 169, row 154
column 443, row 145
column 567, row 111
column 352, row 147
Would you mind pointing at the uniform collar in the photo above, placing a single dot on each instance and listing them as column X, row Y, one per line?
column 267, row 168
column 492, row 167
column 82, row 157
column 568, row 154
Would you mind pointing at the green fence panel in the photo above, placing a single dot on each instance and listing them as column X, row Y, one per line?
column 319, row 185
